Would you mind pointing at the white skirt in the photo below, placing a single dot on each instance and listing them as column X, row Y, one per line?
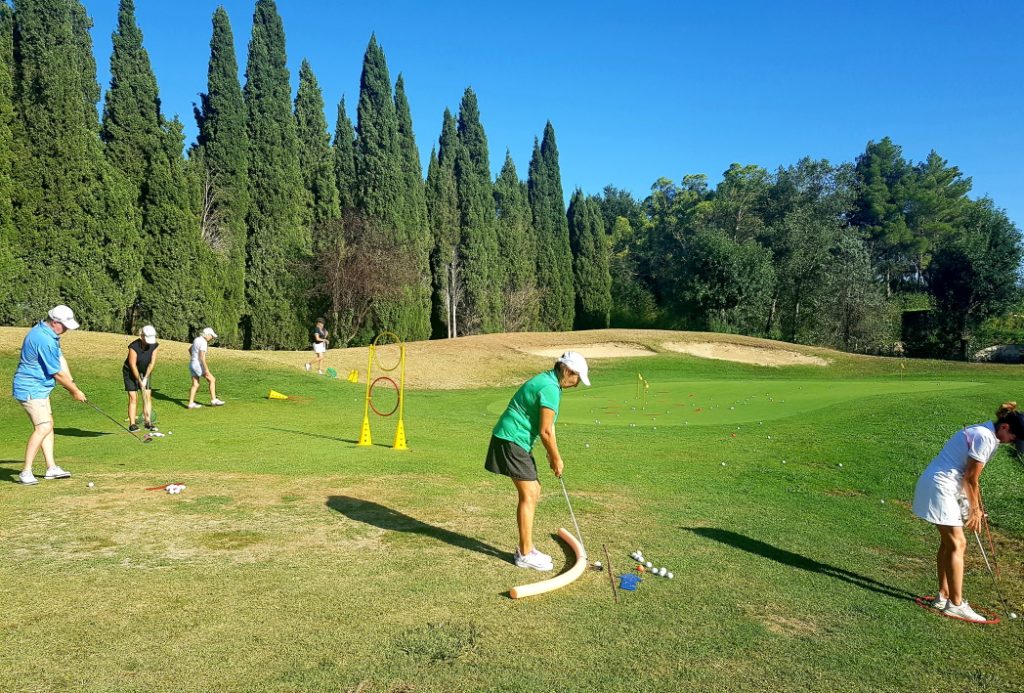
column 940, row 501
column 319, row 347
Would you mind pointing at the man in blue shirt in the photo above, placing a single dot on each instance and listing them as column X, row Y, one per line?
column 42, row 366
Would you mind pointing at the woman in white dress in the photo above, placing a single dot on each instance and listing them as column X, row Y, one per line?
column 948, row 496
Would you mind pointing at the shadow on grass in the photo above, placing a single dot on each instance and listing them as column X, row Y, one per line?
column 795, row 560
column 384, row 517
column 158, row 395
column 12, row 473
column 308, row 434
column 79, row 433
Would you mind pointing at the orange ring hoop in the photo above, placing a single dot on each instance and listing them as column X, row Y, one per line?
column 369, row 396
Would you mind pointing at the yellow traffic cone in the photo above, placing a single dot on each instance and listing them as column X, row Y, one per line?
column 353, row 377
column 274, row 394
column 400, row 437
column 365, row 438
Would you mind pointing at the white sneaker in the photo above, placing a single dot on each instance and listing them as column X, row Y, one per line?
column 938, row 603
column 27, row 478
column 534, row 559
column 57, row 473
column 216, row 403
column 195, row 405
column 308, row 367
column 964, row 611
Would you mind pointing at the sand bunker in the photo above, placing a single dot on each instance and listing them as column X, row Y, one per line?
column 758, row 356
column 603, row 350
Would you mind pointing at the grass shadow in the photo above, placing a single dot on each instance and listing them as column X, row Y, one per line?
column 10, row 474
column 322, row 435
column 384, row 517
column 795, row 560
column 158, row 395
column 79, row 433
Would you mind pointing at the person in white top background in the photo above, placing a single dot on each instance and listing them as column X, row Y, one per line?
column 948, row 496
column 198, row 368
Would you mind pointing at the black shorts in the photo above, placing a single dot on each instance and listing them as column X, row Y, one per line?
column 130, row 385
column 508, row 458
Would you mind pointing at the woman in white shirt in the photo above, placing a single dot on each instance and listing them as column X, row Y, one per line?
column 948, row 496
column 198, row 368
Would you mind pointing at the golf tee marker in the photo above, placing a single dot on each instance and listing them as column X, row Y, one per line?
column 558, row 581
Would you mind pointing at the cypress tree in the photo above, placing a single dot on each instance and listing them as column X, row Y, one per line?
column 315, row 157
column 516, row 249
column 593, row 281
column 554, row 258
column 148, row 151
column 479, row 247
column 222, row 174
column 79, row 230
column 278, row 241
column 378, row 169
column 414, row 217
column 11, row 267
column 345, row 158
column 443, row 212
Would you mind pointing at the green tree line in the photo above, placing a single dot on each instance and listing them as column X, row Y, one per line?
column 269, row 219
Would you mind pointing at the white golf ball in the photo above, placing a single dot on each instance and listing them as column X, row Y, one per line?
column 648, row 564
column 1013, row 615
column 883, row 500
column 662, row 571
column 90, row 484
column 840, row 464
column 597, row 564
column 723, row 464
column 670, row 576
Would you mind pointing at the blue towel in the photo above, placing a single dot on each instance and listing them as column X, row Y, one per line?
column 629, row 581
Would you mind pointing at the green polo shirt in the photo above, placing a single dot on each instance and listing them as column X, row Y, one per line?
column 520, row 423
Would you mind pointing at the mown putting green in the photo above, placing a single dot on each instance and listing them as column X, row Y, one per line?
column 710, row 402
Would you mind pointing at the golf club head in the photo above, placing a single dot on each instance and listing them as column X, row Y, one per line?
column 147, row 438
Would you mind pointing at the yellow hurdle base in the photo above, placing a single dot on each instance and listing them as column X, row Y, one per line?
column 399, row 443
column 365, row 439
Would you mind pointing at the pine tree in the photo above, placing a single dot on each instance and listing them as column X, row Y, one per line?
column 479, row 248
column 278, row 241
column 554, row 256
column 11, row 268
column 315, row 157
column 414, row 218
column 221, row 171
column 148, row 151
column 516, row 249
column 77, row 225
column 593, row 282
column 443, row 212
column 345, row 159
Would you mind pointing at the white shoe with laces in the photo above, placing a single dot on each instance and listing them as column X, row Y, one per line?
column 27, row 478
column 56, row 472
column 938, row 603
column 963, row 610
column 195, row 405
column 534, row 559
column 216, row 403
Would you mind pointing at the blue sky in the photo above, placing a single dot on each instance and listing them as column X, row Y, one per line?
column 638, row 91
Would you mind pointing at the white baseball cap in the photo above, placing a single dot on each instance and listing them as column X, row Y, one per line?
column 577, row 364
column 208, row 332
column 64, row 315
column 149, row 334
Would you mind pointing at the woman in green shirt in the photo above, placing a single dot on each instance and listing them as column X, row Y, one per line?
column 531, row 414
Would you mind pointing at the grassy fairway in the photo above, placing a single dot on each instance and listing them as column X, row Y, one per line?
column 296, row 561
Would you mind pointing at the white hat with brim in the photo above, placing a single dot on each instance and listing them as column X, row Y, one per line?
column 64, row 315
column 577, row 364
column 149, row 334
column 208, row 332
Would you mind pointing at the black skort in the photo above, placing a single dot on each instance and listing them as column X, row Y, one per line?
column 130, row 385
column 508, row 458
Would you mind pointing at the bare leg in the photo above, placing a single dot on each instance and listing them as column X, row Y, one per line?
column 951, row 562
column 529, row 494
column 133, row 406
column 36, row 441
column 193, row 390
column 147, row 405
column 213, row 385
column 48, row 449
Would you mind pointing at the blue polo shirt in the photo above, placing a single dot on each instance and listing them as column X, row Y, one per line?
column 40, row 361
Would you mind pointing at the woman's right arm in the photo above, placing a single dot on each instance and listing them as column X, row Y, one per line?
column 973, row 492
column 547, row 437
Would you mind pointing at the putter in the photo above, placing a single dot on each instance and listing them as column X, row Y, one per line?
column 575, row 524
column 144, row 439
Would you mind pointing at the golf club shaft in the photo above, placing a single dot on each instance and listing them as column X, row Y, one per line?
column 575, row 524
column 118, row 423
column 995, row 580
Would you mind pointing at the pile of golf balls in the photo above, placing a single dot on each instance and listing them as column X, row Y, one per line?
column 175, row 488
column 638, row 556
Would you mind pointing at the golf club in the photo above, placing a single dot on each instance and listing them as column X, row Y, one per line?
column 144, row 439
column 575, row 524
column 991, row 572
